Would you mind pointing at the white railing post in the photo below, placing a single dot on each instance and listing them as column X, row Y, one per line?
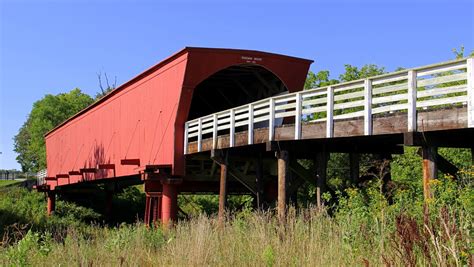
column 298, row 116
column 330, row 113
column 271, row 119
column 368, row 107
column 470, row 92
column 186, row 129
column 199, row 134
column 214, row 130
column 250, row 125
column 232, row 128
column 412, row 101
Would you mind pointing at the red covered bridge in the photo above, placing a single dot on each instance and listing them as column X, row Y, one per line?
column 139, row 127
column 202, row 110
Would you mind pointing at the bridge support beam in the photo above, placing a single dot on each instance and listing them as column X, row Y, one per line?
column 153, row 194
column 51, row 205
column 354, row 162
column 169, row 203
column 430, row 169
column 283, row 171
column 259, row 181
column 222, row 193
column 321, row 163
column 152, row 208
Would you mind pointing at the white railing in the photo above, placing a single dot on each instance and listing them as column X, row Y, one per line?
column 428, row 87
column 41, row 175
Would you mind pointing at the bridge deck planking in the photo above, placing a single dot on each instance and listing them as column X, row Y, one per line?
column 429, row 120
column 413, row 100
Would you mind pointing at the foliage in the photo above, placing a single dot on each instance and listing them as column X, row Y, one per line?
column 21, row 210
column 365, row 230
column 461, row 52
column 46, row 114
column 319, row 79
column 354, row 73
column 107, row 88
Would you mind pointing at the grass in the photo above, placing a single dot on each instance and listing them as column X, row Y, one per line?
column 363, row 228
column 4, row 183
column 310, row 238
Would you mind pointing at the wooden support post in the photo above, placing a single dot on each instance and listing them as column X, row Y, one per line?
column 146, row 218
column 283, row 170
column 222, row 193
column 430, row 170
column 259, row 181
column 51, row 205
column 354, row 160
column 386, row 174
column 156, row 207
column 321, row 174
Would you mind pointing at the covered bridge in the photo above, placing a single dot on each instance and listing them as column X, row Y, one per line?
column 204, row 114
column 137, row 130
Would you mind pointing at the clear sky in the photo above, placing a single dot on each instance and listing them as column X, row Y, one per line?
column 49, row 47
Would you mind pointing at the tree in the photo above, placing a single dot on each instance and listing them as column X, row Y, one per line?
column 319, row 79
column 353, row 73
column 46, row 114
column 460, row 54
column 104, row 90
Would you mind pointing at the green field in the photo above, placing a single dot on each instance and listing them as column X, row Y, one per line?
column 8, row 182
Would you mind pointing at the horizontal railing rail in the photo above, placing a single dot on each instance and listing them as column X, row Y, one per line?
column 429, row 87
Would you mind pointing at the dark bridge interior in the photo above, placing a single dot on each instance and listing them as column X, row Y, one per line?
column 232, row 87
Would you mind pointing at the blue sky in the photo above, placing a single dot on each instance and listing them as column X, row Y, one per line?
column 55, row 46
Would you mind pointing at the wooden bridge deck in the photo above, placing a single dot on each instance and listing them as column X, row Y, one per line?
column 431, row 98
column 428, row 121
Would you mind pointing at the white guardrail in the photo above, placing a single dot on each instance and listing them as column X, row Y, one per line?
column 409, row 90
column 40, row 176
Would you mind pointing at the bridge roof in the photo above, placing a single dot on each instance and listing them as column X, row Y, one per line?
column 165, row 62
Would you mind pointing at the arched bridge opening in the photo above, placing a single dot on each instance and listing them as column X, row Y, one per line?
column 234, row 86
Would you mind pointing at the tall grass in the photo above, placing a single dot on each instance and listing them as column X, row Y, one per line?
column 308, row 238
column 362, row 229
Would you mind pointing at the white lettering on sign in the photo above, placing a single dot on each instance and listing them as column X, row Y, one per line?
column 253, row 60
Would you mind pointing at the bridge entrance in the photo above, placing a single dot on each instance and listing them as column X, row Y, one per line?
column 232, row 87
